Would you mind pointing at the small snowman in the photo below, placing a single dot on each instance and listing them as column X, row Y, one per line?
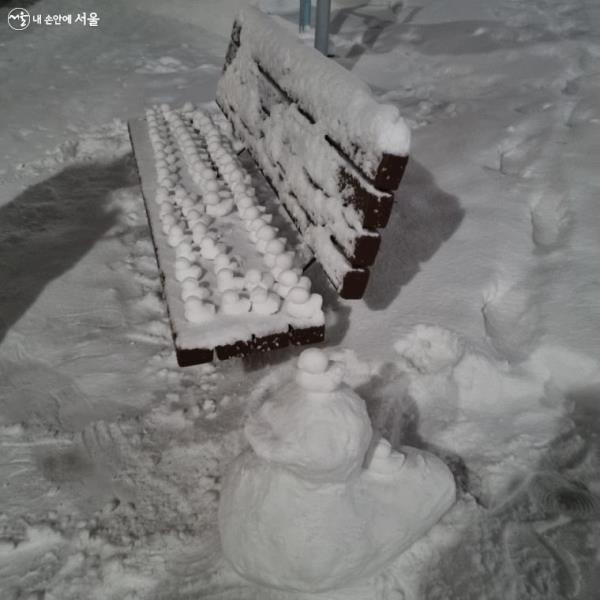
column 304, row 509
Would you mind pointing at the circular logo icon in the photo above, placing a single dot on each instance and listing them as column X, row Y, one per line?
column 18, row 19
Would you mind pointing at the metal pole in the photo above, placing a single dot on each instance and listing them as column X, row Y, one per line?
column 322, row 26
column 307, row 12
column 301, row 17
column 304, row 18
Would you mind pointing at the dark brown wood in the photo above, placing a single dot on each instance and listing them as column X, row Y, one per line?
column 309, row 335
column 267, row 343
column 236, row 33
column 376, row 210
column 231, row 52
column 195, row 356
column 355, row 284
column 390, row 172
column 239, row 348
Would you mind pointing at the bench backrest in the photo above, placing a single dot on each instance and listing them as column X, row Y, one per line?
column 331, row 152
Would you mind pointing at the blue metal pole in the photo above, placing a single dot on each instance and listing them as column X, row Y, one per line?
column 307, row 11
column 322, row 26
column 304, row 18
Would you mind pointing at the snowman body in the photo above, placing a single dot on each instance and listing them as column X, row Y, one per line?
column 300, row 510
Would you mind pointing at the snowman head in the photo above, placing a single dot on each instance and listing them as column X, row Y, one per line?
column 316, row 374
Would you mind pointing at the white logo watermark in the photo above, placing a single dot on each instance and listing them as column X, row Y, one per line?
column 19, row 19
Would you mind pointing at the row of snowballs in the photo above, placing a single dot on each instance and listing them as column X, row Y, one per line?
column 288, row 283
column 182, row 213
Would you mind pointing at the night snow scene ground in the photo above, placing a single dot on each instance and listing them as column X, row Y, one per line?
column 441, row 443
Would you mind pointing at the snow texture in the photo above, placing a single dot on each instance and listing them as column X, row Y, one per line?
column 112, row 458
column 217, row 248
column 298, row 511
column 323, row 87
column 269, row 89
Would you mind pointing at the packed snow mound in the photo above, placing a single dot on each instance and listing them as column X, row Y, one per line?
column 299, row 511
column 314, row 427
column 323, row 87
column 429, row 349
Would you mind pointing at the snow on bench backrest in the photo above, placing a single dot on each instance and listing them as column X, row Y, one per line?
column 330, row 150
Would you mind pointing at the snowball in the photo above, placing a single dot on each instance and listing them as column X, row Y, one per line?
column 244, row 202
column 257, row 224
column 188, row 284
column 168, row 220
column 238, row 187
column 193, row 290
column 275, row 247
column 182, row 263
column 220, row 210
column 322, row 382
column 285, row 261
column 166, row 208
column 304, row 282
column 232, row 304
column 184, row 250
column 269, row 260
column 236, row 176
column 211, row 198
column 313, row 360
column 199, row 232
column 210, row 249
column 298, row 295
column 300, row 304
column 222, row 261
column 194, row 271
column 288, row 277
column 253, row 278
column 187, row 203
column 250, row 214
column 194, row 217
column 175, row 235
column 266, row 233
column 264, row 302
column 198, row 311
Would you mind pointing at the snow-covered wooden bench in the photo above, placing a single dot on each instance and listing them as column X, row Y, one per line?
column 232, row 277
column 331, row 152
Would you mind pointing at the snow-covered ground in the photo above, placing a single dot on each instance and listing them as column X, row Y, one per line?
column 478, row 338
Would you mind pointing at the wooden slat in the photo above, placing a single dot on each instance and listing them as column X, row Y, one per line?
column 373, row 204
column 355, row 279
column 390, row 169
column 359, row 247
